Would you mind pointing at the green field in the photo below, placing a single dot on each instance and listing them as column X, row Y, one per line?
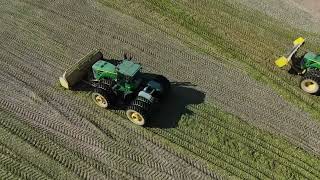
column 231, row 113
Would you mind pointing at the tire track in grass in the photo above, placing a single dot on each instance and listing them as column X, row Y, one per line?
column 201, row 143
column 47, row 124
column 249, row 96
column 66, row 142
column 20, row 68
column 80, row 171
column 24, row 115
column 147, row 54
column 5, row 174
column 20, row 169
column 274, row 124
column 251, row 136
column 23, row 149
column 219, row 159
column 297, row 163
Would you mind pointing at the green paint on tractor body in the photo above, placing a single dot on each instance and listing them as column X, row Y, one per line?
column 124, row 74
column 310, row 61
column 128, row 68
column 102, row 69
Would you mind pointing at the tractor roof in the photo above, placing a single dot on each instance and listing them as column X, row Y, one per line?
column 128, row 68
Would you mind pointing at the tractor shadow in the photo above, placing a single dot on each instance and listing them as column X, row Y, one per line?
column 168, row 113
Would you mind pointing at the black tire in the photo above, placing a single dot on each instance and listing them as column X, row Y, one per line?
column 128, row 97
column 310, row 82
column 165, row 83
column 141, row 106
column 142, row 103
column 313, row 72
column 139, row 98
column 106, row 83
column 137, row 115
column 103, row 98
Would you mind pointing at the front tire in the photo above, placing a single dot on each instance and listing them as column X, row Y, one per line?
column 102, row 98
column 310, row 82
column 137, row 115
column 138, row 111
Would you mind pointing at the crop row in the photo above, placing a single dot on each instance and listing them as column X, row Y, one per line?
column 5, row 174
column 250, row 136
column 75, row 133
column 254, row 136
column 115, row 135
column 20, row 168
column 46, row 97
column 254, row 60
column 208, row 134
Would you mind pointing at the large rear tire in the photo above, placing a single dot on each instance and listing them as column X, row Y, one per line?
column 310, row 82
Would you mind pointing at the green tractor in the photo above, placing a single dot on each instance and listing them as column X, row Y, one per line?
column 308, row 66
column 117, row 83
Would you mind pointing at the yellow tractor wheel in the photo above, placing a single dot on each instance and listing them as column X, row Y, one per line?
column 310, row 86
column 137, row 115
column 102, row 98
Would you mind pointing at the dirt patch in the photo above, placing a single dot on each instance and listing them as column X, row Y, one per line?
column 303, row 14
column 312, row 6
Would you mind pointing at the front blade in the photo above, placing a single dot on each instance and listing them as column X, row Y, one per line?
column 298, row 41
column 77, row 71
column 282, row 61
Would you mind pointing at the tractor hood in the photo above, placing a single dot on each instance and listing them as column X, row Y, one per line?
column 104, row 66
column 310, row 56
column 103, row 69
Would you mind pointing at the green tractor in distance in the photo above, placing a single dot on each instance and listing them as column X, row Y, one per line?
column 118, row 83
column 308, row 66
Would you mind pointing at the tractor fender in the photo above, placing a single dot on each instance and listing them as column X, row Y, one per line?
column 146, row 96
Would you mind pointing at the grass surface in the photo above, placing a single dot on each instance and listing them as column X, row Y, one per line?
column 237, row 35
column 237, row 149
column 49, row 133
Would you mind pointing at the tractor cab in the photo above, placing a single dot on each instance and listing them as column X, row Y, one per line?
column 126, row 70
column 127, row 73
column 124, row 74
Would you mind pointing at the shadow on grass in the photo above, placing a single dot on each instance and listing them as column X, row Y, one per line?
column 168, row 113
